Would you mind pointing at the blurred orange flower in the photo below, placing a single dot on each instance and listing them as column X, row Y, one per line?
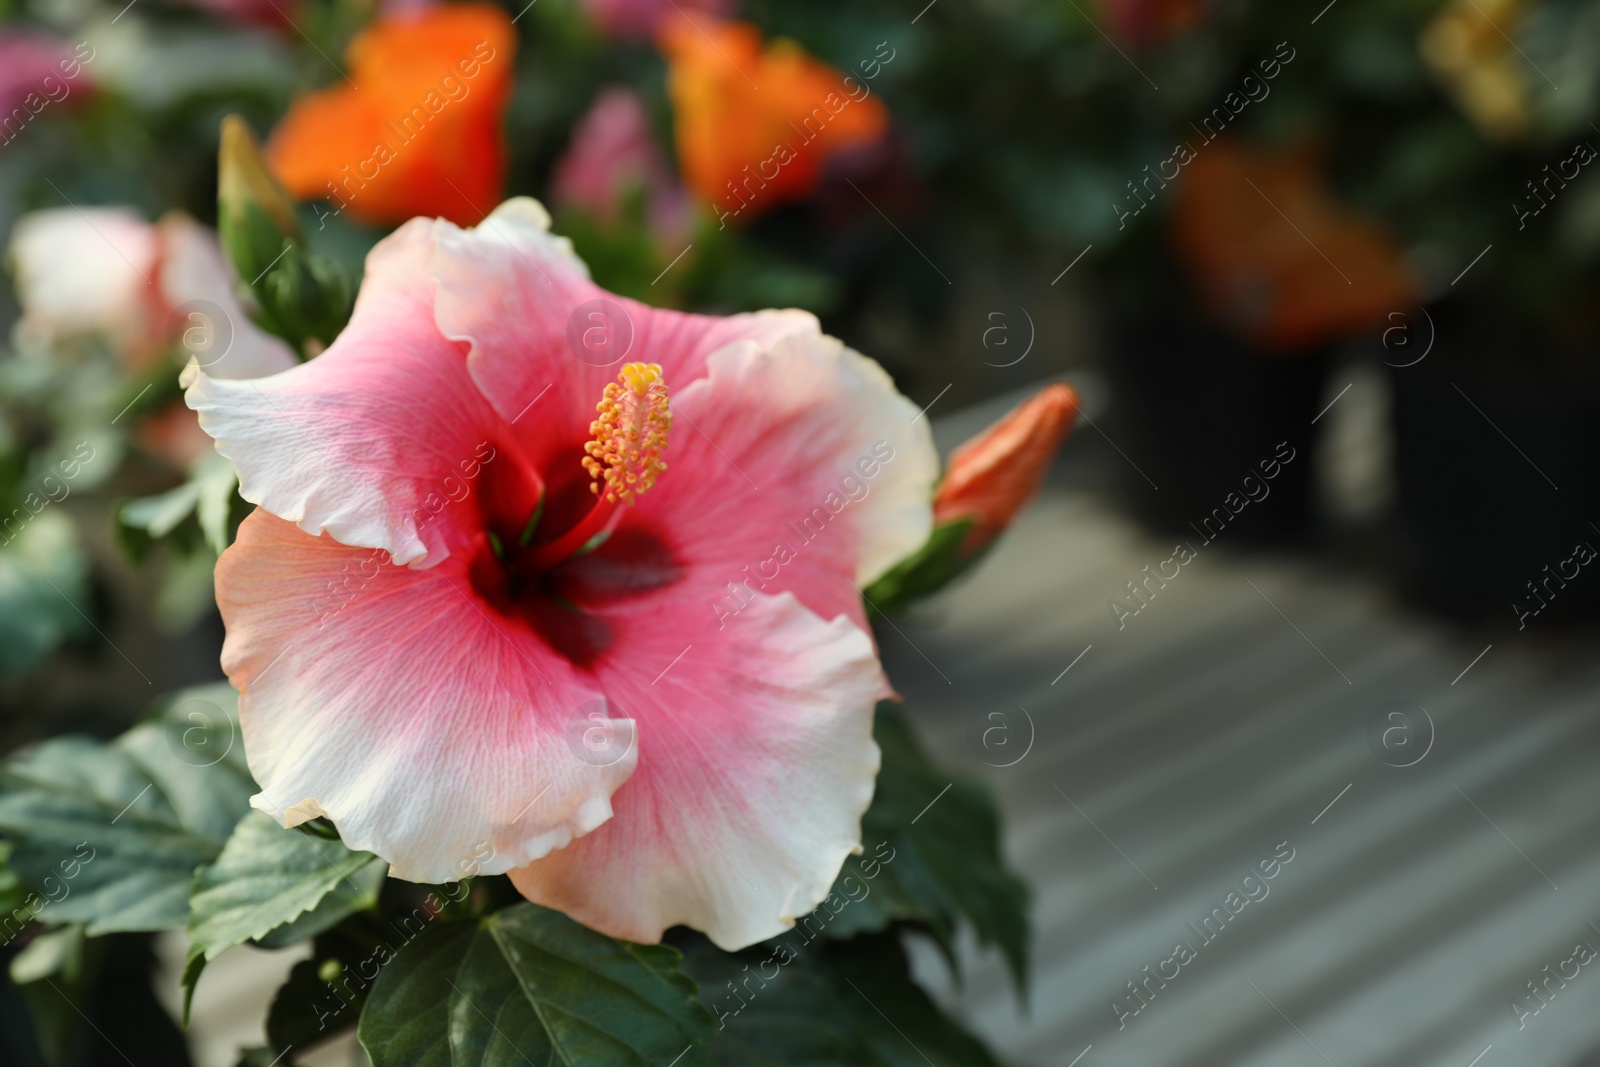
column 416, row 129
column 1274, row 255
column 755, row 123
column 993, row 476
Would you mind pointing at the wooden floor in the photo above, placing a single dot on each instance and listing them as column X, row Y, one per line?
column 1228, row 718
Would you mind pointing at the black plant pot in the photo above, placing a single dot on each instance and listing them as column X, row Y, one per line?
column 110, row 1017
column 1498, row 478
column 1197, row 412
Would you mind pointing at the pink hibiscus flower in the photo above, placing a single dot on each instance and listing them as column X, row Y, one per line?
column 642, row 18
column 672, row 727
column 36, row 70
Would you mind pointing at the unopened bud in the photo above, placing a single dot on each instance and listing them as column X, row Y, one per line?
column 297, row 295
column 988, row 481
column 255, row 216
column 993, row 476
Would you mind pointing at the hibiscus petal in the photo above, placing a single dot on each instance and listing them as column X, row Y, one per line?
column 368, row 439
column 751, row 784
column 799, row 467
column 389, row 700
column 546, row 340
column 755, row 714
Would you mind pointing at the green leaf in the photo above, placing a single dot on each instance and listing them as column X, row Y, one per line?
column 925, row 572
column 789, row 1003
column 185, row 591
column 121, row 827
column 57, row 952
column 527, row 984
column 358, row 892
column 406, row 1020
column 308, row 1008
column 931, row 856
column 217, row 480
column 13, row 894
column 60, row 956
column 208, row 494
column 269, row 880
column 293, row 1020
column 44, row 581
column 490, row 1020
column 159, row 515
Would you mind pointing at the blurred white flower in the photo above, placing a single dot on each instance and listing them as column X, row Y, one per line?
column 104, row 274
column 84, row 274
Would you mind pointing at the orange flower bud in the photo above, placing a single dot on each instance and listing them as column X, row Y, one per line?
column 993, row 476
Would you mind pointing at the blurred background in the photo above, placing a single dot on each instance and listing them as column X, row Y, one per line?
column 1322, row 274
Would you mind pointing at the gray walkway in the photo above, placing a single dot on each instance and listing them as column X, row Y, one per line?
column 1226, row 719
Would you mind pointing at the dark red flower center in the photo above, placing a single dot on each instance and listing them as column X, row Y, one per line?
column 559, row 546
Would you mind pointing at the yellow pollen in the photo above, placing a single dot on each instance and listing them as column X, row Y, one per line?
column 630, row 434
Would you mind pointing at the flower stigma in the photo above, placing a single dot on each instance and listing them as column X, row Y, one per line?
column 630, row 434
column 627, row 440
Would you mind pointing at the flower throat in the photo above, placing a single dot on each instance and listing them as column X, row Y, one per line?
column 623, row 456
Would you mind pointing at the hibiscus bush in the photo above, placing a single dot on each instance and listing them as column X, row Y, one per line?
column 541, row 546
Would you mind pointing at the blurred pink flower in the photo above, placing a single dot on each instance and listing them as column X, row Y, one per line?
column 612, row 157
column 36, row 70
column 642, row 18
column 26, row 59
